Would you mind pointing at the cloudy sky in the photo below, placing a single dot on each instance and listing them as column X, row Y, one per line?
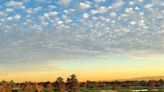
column 95, row 39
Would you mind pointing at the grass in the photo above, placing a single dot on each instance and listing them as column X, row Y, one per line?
column 84, row 89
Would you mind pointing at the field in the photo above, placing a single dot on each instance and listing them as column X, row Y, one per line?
column 107, row 89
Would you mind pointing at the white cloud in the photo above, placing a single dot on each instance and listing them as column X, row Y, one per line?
column 132, row 22
column 59, row 22
column 85, row 15
column 117, row 4
column 94, row 11
column 137, row 8
column 131, row 3
column 53, row 13
column 84, row 5
column 29, row 11
column 162, row 4
column 46, row 15
column 14, row 4
column 98, row 1
column 113, row 14
column 102, row 9
column 10, row 18
column 17, row 17
column 140, row 0
column 107, row 30
column 38, row 8
column 9, row 10
column 129, row 10
column 65, row 1
column 2, row 13
column 147, row 6
column 142, row 23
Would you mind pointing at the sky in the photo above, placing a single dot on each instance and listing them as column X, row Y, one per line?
column 41, row 40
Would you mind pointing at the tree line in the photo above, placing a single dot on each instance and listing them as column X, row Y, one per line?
column 73, row 85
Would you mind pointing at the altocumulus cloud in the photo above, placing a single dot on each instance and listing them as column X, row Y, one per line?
column 50, row 31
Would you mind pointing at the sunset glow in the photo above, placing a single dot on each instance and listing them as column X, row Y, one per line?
column 41, row 40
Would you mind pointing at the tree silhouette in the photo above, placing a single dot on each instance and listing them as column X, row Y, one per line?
column 38, row 87
column 3, row 86
column 72, row 84
column 27, row 87
column 115, row 85
column 151, row 84
column 60, row 85
column 49, row 87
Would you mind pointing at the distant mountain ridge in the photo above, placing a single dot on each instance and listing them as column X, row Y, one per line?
column 149, row 78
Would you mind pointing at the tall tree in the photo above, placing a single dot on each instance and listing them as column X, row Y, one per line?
column 60, row 85
column 72, row 84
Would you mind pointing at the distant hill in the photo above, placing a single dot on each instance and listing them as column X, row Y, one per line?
column 149, row 78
